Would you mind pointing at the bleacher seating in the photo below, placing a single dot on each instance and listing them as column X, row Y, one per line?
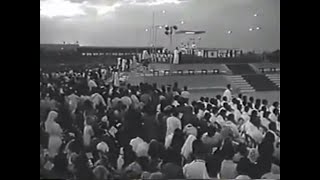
column 260, row 82
column 241, row 69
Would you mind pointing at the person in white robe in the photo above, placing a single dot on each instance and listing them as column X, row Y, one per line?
column 228, row 93
column 97, row 99
column 116, row 79
column 55, row 134
column 134, row 63
column 176, row 56
column 186, row 149
column 92, row 84
column 119, row 63
column 173, row 123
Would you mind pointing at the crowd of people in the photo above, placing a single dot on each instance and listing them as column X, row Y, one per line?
column 90, row 129
column 164, row 56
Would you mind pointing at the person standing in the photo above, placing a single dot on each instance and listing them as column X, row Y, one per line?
column 134, row 62
column 228, row 93
column 123, row 65
column 176, row 56
column 55, row 133
column 116, row 81
column 119, row 63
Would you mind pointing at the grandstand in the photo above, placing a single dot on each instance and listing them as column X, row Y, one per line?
column 247, row 72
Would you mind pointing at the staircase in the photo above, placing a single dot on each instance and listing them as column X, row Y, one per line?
column 261, row 82
column 239, row 82
column 239, row 69
column 275, row 78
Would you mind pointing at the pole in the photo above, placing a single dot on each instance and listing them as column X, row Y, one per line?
column 153, row 21
column 171, row 41
column 155, row 39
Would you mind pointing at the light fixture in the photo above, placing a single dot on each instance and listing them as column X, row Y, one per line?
column 182, row 22
column 258, row 28
column 255, row 15
column 163, row 11
column 251, row 29
column 146, row 30
column 229, row 32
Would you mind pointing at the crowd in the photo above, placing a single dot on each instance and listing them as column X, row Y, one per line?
column 164, row 56
column 93, row 130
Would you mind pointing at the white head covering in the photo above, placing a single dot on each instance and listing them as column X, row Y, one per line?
column 102, row 146
column 50, row 119
column 186, row 149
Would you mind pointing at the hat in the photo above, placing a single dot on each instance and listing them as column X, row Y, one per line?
column 102, row 146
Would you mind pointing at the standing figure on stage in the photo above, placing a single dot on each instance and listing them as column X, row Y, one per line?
column 116, row 81
column 134, row 62
column 176, row 56
column 123, row 65
column 118, row 63
column 128, row 64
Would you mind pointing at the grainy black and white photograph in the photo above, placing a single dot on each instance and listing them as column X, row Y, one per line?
column 159, row 89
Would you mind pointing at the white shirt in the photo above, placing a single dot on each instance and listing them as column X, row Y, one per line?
column 186, row 149
column 228, row 169
column 220, row 120
column 87, row 134
column 237, row 114
column 253, row 131
column 196, row 170
column 273, row 117
column 200, row 114
column 265, row 122
column 213, row 118
column 73, row 101
column 97, row 99
column 185, row 94
column 228, row 94
column 92, row 84
column 172, row 124
column 168, row 141
column 135, row 142
column 245, row 116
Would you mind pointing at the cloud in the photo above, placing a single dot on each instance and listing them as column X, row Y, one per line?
column 123, row 24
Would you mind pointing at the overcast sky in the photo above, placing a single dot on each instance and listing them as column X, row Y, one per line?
column 123, row 22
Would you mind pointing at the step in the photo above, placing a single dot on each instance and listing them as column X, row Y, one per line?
column 242, row 81
column 247, row 91
column 242, row 84
column 275, row 79
column 236, row 77
column 273, row 75
column 247, row 88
